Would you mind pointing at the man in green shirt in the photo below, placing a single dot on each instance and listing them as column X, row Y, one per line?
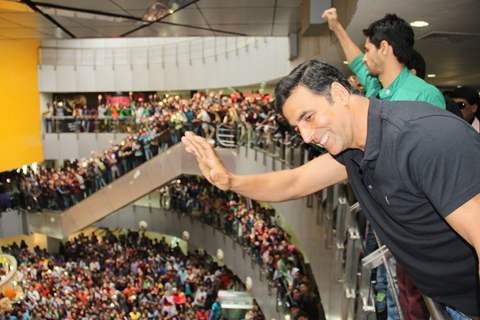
column 383, row 72
column 382, row 68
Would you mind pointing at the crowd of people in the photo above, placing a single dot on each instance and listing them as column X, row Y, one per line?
column 256, row 228
column 67, row 115
column 159, row 125
column 119, row 276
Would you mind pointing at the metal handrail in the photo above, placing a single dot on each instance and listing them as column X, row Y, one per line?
column 226, row 135
column 436, row 312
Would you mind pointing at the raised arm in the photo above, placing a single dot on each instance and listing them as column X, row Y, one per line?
column 350, row 49
column 274, row 186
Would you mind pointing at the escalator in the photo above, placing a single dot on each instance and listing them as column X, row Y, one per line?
column 121, row 192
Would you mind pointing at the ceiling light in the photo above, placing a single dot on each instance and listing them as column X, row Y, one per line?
column 419, row 24
column 156, row 11
column 431, row 75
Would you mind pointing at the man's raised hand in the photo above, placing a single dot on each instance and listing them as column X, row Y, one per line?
column 208, row 161
column 332, row 18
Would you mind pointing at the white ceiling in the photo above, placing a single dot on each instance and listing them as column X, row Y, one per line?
column 450, row 44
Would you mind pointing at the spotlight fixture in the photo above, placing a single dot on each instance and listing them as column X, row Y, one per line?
column 431, row 75
column 419, row 24
column 156, row 11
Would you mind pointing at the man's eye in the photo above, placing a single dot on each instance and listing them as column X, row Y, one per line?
column 308, row 117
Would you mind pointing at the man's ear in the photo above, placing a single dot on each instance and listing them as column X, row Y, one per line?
column 339, row 93
column 384, row 47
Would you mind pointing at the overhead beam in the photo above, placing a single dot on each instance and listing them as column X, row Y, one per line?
column 132, row 18
column 32, row 6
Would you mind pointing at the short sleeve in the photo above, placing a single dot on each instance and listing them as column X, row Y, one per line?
column 437, row 100
column 343, row 156
column 433, row 96
column 370, row 83
column 440, row 157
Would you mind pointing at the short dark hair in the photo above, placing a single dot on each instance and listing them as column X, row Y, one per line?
column 418, row 63
column 396, row 31
column 314, row 75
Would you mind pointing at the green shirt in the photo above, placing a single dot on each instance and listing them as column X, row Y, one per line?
column 406, row 87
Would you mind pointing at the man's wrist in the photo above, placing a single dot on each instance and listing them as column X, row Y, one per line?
column 338, row 29
column 233, row 182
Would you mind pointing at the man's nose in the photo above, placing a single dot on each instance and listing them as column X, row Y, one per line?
column 306, row 133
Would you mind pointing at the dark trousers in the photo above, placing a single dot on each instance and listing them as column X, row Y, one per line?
column 411, row 299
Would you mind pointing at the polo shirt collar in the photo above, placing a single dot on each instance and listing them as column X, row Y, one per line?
column 374, row 132
column 387, row 93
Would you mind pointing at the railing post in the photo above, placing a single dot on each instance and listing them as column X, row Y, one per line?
column 340, row 237
column 351, row 269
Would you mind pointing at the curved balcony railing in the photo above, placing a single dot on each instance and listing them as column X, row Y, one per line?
column 60, row 198
column 69, row 124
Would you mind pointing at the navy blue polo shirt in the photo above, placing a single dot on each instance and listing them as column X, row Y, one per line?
column 420, row 164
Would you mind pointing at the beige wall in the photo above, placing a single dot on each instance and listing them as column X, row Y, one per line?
column 33, row 240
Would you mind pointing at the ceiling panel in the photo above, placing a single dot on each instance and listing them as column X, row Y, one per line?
column 163, row 30
column 67, row 22
column 186, row 16
column 130, row 5
column 289, row 3
column 238, row 16
column 249, row 29
column 95, row 23
column 83, row 32
column 100, row 5
column 136, row 13
column 282, row 29
column 254, row 17
column 287, row 15
column 236, row 4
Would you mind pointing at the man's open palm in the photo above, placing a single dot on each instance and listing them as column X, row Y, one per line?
column 208, row 161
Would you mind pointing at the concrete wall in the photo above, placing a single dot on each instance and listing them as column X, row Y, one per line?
column 12, row 223
column 77, row 145
column 160, row 64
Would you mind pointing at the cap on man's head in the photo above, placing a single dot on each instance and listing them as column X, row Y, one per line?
column 468, row 93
